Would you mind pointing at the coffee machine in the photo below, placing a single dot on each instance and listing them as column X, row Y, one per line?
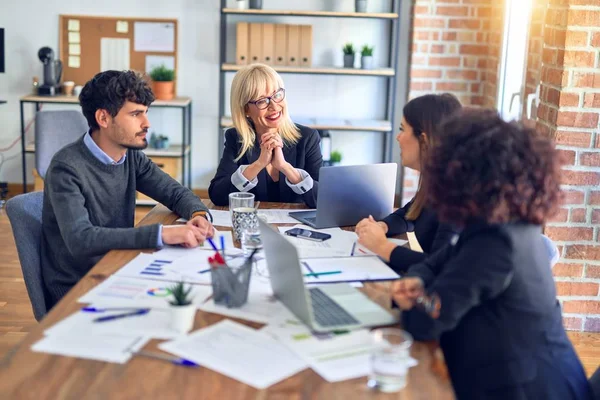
column 52, row 72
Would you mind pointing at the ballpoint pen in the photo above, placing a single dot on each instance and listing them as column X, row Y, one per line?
column 353, row 248
column 317, row 274
column 173, row 360
column 98, row 310
column 118, row 316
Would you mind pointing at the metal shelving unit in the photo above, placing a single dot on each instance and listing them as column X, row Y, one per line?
column 385, row 127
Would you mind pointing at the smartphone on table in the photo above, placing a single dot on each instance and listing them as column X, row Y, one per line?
column 308, row 234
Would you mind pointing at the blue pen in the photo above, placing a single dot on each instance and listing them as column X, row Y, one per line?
column 212, row 244
column 223, row 245
column 94, row 309
column 119, row 316
column 173, row 360
column 204, row 271
column 353, row 248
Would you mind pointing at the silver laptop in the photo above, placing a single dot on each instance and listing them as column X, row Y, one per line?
column 348, row 194
column 323, row 308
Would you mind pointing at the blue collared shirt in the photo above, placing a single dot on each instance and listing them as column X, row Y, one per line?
column 106, row 159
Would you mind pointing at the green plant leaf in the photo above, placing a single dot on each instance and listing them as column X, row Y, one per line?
column 162, row 74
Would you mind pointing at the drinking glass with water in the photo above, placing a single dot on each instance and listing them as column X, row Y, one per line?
column 390, row 359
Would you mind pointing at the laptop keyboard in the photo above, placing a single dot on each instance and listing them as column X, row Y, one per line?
column 327, row 312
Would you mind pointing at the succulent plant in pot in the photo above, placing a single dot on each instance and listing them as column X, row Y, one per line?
column 366, row 59
column 183, row 311
column 349, row 53
column 163, row 82
column 335, row 158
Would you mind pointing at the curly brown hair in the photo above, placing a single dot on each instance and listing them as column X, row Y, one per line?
column 492, row 170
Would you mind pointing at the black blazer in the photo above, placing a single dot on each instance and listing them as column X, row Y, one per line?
column 431, row 234
column 306, row 155
column 500, row 324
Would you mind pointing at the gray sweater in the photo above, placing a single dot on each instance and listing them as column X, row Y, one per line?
column 89, row 209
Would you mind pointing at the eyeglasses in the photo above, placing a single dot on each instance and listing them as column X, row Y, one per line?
column 263, row 103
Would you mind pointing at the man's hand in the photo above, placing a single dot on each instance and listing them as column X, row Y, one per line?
column 366, row 221
column 203, row 224
column 186, row 235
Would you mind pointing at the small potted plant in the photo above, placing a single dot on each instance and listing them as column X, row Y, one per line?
column 183, row 311
column 163, row 80
column 366, row 59
column 349, row 52
column 335, row 157
column 360, row 6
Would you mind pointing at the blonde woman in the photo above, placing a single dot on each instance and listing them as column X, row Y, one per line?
column 265, row 152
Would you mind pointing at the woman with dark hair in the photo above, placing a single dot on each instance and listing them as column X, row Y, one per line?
column 494, row 310
column 418, row 132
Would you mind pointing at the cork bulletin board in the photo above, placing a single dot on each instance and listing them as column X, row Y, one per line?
column 91, row 44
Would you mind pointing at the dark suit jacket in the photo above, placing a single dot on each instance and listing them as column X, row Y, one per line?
column 500, row 325
column 306, row 155
column 431, row 234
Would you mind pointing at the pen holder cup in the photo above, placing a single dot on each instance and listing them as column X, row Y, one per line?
column 230, row 285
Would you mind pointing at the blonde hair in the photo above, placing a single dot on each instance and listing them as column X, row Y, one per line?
column 248, row 84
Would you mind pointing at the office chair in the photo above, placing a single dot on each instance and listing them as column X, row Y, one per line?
column 25, row 214
column 53, row 131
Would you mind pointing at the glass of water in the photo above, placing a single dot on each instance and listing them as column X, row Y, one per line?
column 390, row 359
column 250, row 239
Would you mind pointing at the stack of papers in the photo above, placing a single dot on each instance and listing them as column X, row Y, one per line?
column 271, row 216
column 242, row 353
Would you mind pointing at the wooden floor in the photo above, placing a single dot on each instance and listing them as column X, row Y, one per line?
column 16, row 318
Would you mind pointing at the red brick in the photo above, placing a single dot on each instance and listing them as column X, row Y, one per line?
column 451, row 86
column 568, row 270
column 425, row 73
column 429, row 23
column 598, row 141
column 591, row 100
column 576, row 289
column 592, row 271
column 421, row 35
column 594, row 197
column 567, row 157
column 464, row 24
column 435, row 36
column 554, row 76
column 448, row 35
column 592, row 325
column 590, row 159
column 586, row 80
column 577, row 119
column 574, row 197
column 583, row 252
column 578, row 215
column 421, row 86
column 475, row 87
column 473, row 49
column 582, row 307
column 437, row 48
column 575, row 139
column 424, row 48
column 562, row 215
column 569, row 234
column 549, row 94
column 421, row 10
column 584, row 17
column 454, row 11
column 465, row 36
column 573, row 323
column 465, row 74
column 580, row 178
column 576, row 58
column 576, row 38
column 445, row 61
column 596, row 216
column 596, row 39
column 568, row 99
column 418, row 60
column 484, row 12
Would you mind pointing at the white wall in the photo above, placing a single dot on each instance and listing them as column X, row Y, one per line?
column 34, row 24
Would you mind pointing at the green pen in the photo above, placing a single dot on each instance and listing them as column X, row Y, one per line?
column 315, row 274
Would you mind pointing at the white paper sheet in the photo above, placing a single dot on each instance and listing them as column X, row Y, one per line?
column 334, row 357
column 74, row 37
column 221, row 218
column 119, row 291
column 339, row 245
column 154, row 36
column 358, row 269
column 114, row 54
column 73, row 25
column 174, row 252
column 278, row 216
column 74, row 62
column 122, row 27
column 156, row 61
column 155, row 324
column 109, row 348
column 75, row 49
column 242, row 353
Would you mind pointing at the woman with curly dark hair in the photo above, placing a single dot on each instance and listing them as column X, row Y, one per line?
column 490, row 297
column 418, row 132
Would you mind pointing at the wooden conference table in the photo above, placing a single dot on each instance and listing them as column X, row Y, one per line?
column 25, row 374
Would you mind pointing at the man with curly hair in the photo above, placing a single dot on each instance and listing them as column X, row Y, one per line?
column 90, row 187
column 494, row 309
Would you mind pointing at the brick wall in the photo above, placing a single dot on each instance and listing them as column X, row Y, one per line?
column 456, row 49
column 569, row 111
